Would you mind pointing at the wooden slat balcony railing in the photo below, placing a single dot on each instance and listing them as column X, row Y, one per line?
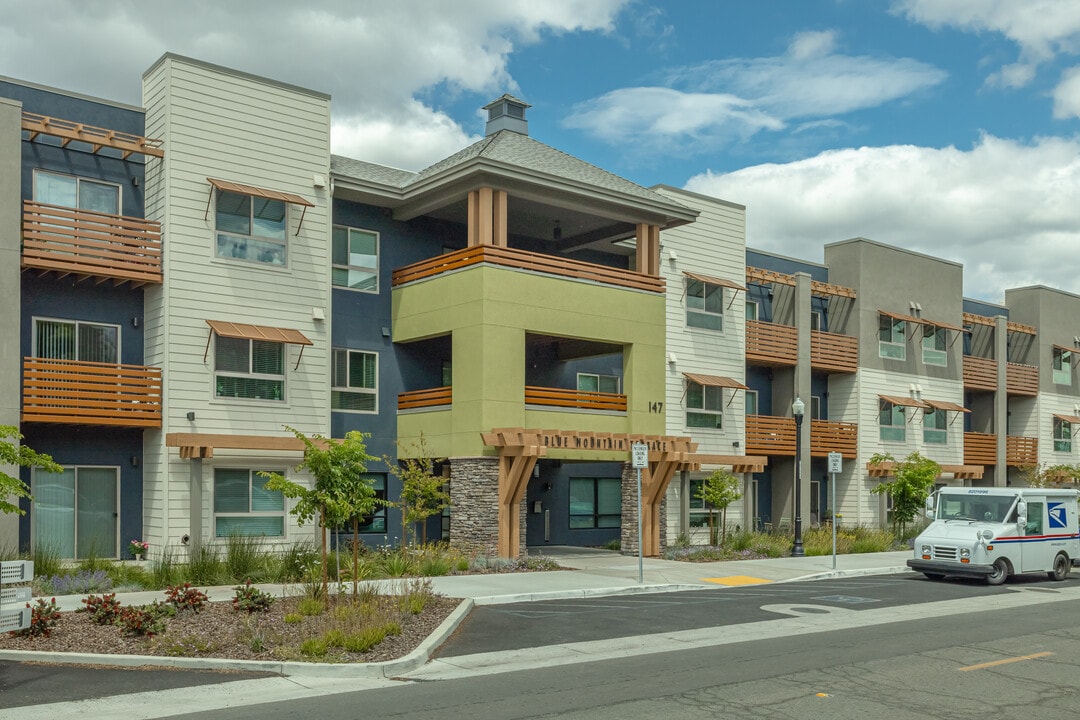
column 980, row 448
column 91, row 393
column 1021, row 379
column 1021, row 451
column 771, row 344
column 770, row 435
column 980, row 373
column 833, row 352
column 91, row 244
column 433, row 397
column 525, row 260
column 828, row 436
column 577, row 399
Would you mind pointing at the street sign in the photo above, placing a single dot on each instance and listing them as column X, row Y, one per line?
column 14, row 606
column 639, row 455
column 836, row 461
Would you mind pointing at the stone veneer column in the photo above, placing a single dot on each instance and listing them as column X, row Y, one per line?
column 628, row 542
column 474, row 500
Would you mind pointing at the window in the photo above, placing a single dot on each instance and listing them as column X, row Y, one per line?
column 934, row 346
column 355, row 259
column 704, row 406
column 1062, row 363
column 751, row 402
column 935, row 429
column 447, row 373
column 76, row 192
column 704, row 305
column 376, row 522
column 74, row 340
column 815, row 407
column 891, row 420
column 76, row 512
column 251, row 228
column 699, row 514
column 815, row 320
column 252, row 369
column 595, row 503
column 1034, row 524
column 1062, row 435
column 243, row 505
column 751, row 310
column 354, row 381
column 891, row 338
column 591, row 382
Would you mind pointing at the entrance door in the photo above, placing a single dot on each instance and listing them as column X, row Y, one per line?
column 75, row 512
column 1033, row 555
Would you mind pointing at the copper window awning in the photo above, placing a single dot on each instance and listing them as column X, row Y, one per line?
column 715, row 381
column 1068, row 418
column 720, row 282
column 244, row 331
column 921, row 321
column 904, row 401
column 240, row 188
column 945, row 405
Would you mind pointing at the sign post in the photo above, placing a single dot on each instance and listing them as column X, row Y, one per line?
column 836, row 463
column 639, row 458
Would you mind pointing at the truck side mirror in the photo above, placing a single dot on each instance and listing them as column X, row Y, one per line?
column 930, row 506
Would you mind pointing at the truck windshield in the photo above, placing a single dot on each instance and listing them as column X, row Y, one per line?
column 986, row 508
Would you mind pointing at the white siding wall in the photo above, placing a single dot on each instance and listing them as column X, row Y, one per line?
column 1039, row 422
column 234, row 127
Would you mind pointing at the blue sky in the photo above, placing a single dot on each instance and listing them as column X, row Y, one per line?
column 949, row 127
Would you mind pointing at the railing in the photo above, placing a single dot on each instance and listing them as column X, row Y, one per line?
column 828, row 436
column 91, row 393
column 770, row 343
column 770, row 435
column 1021, row 379
column 91, row 244
column 525, row 260
column 980, row 448
column 833, row 352
column 578, row 399
column 1021, row 451
column 980, row 373
column 433, row 397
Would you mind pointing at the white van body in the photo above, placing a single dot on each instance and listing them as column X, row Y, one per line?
column 996, row 532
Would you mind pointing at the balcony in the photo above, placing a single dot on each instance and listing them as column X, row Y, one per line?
column 979, row 448
column 833, row 352
column 90, row 393
column 980, row 373
column 1022, row 379
column 1021, row 451
column 770, row 344
column 575, row 399
column 419, row 399
column 770, row 435
column 90, row 244
column 828, row 436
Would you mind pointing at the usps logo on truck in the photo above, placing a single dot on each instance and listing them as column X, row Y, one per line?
column 1056, row 510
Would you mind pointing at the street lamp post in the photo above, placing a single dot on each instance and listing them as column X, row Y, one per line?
column 797, row 409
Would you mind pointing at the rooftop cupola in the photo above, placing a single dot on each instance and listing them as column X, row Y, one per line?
column 507, row 113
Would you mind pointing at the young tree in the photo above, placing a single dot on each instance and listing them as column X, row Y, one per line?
column 422, row 493
column 913, row 479
column 1051, row 476
column 12, row 453
column 340, row 492
column 719, row 490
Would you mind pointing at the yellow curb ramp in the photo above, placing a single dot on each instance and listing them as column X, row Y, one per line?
column 734, row 580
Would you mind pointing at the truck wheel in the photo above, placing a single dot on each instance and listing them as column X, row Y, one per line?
column 1001, row 571
column 933, row 576
column 1061, row 568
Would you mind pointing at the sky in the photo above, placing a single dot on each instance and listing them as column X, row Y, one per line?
column 947, row 127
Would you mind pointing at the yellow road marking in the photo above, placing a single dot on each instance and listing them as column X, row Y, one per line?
column 736, row 580
column 1006, row 661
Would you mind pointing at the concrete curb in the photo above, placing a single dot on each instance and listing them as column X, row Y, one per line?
column 828, row 574
column 586, row 593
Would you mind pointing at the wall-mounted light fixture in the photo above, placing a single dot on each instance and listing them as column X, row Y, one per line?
column 134, row 461
column 672, row 358
column 191, row 415
column 318, row 314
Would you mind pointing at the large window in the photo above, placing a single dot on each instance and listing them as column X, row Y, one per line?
column 376, row 522
column 1062, row 435
column 751, row 309
column 704, row 305
column 891, row 338
column 751, row 402
column 593, row 382
column 935, row 427
column 934, row 346
column 76, row 192
column 251, row 228
column 355, row 259
column 704, row 406
column 76, row 512
column 355, row 381
column 252, row 369
column 891, row 422
column 595, row 503
column 75, row 340
column 1062, row 364
column 243, row 505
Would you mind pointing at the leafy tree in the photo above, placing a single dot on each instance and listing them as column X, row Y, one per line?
column 913, row 479
column 422, row 493
column 13, row 453
column 719, row 490
column 340, row 492
column 1051, row 476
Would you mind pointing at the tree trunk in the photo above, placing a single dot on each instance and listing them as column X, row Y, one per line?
column 355, row 552
column 723, row 525
column 712, row 533
column 322, row 536
column 423, row 532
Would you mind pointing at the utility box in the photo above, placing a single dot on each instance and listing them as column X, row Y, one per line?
column 15, row 593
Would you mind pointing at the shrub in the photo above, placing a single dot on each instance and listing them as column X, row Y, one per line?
column 251, row 599
column 44, row 616
column 397, row 564
column 293, row 618
column 103, row 609
column 205, row 566
column 185, row 597
column 310, row 606
column 141, row 621
column 164, row 571
column 313, row 647
column 78, row 583
column 245, row 558
column 365, row 639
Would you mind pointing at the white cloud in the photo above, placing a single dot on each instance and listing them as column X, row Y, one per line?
column 1067, row 94
column 723, row 100
column 1005, row 209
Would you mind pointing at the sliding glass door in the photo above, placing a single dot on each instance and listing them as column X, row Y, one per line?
column 76, row 512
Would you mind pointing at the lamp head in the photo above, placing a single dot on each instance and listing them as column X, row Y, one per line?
column 798, row 407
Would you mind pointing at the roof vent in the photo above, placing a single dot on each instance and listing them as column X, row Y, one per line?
column 507, row 113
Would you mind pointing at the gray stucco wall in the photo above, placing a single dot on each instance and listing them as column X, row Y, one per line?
column 10, row 367
column 1056, row 315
